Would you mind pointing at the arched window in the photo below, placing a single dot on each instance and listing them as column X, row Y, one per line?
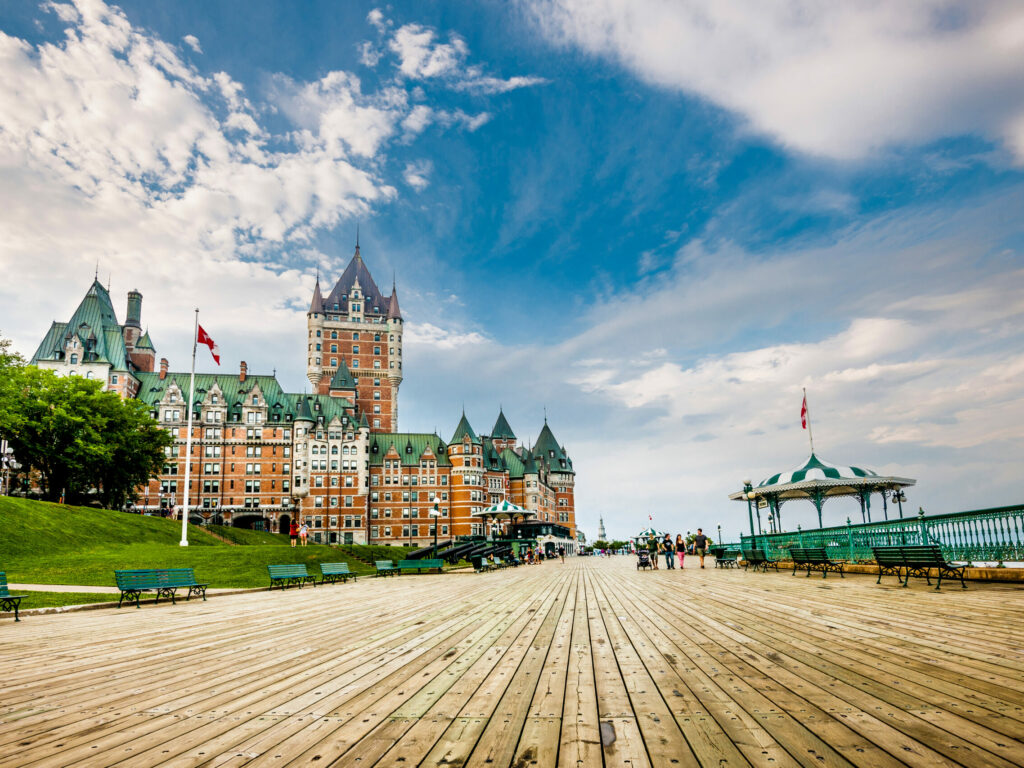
column 334, row 450
column 74, row 359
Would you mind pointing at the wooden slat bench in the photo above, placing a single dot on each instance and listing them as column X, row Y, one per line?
column 421, row 565
column 288, row 574
column 759, row 560
column 9, row 602
column 164, row 581
column 917, row 560
column 481, row 564
column 385, row 568
column 815, row 559
column 333, row 571
column 726, row 558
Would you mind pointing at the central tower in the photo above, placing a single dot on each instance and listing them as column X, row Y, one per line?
column 356, row 331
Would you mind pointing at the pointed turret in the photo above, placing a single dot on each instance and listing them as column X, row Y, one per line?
column 342, row 381
column 303, row 412
column 501, row 427
column 364, row 422
column 394, row 313
column 317, row 304
column 462, row 430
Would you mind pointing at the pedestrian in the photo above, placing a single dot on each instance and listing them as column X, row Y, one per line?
column 561, row 553
column 700, row 546
column 652, row 550
column 680, row 548
column 670, row 551
column 303, row 533
column 293, row 532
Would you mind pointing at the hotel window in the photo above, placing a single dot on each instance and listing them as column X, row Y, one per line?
column 355, row 336
column 376, row 423
column 334, row 347
column 376, row 350
column 355, row 349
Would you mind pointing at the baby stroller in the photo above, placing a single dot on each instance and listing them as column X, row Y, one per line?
column 643, row 559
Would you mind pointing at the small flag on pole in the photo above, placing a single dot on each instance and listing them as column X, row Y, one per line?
column 803, row 413
column 204, row 338
column 650, row 518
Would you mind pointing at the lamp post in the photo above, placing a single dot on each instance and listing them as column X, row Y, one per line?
column 899, row 497
column 748, row 491
column 435, row 513
column 719, row 535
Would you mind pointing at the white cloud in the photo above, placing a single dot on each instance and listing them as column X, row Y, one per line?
column 192, row 42
column 417, row 174
column 430, row 335
column 419, row 56
column 834, row 79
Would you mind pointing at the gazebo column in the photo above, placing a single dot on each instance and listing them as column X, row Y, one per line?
column 819, row 501
column 867, row 504
column 885, row 507
column 863, row 517
column 778, row 512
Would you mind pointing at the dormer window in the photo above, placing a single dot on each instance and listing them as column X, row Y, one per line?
column 255, row 399
column 213, row 399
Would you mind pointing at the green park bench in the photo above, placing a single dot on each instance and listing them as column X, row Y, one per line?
column 8, row 602
column 164, row 581
column 757, row 559
column 917, row 560
column 286, row 575
column 333, row 571
column 814, row 559
column 726, row 558
column 385, row 568
column 421, row 565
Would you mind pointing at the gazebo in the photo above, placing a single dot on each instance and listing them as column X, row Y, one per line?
column 504, row 509
column 816, row 481
column 645, row 535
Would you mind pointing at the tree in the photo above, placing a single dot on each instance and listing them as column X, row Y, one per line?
column 77, row 438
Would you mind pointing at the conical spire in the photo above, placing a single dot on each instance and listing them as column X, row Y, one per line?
column 303, row 411
column 394, row 313
column 501, row 427
column 464, row 429
column 317, row 304
column 342, row 381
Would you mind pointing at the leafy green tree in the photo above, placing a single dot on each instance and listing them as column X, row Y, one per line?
column 79, row 440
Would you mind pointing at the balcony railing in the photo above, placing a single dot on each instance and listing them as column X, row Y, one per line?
column 983, row 535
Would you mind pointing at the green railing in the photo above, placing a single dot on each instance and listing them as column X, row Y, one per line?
column 995, row 535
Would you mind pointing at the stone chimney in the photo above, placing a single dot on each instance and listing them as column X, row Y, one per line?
column 163, row 368
column 243, row 371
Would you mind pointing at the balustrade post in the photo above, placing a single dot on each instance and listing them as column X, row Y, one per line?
column 800, row 534
column 922, row 526
column 849, row 539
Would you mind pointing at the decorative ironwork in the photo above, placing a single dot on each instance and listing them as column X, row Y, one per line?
column 983, row 535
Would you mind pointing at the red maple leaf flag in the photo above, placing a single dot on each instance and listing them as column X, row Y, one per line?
column 803, row 413
column 204, row 338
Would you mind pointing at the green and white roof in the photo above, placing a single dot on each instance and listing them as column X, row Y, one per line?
column 816, row 469
column 504, row 506
column 816, row 478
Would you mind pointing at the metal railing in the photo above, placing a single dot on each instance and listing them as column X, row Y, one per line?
column 995, row 535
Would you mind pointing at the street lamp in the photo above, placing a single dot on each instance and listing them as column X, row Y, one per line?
column 435, row 513
column 748, row 491
column 899, row 497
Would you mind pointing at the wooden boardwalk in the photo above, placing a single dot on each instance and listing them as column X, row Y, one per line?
column 583, row 664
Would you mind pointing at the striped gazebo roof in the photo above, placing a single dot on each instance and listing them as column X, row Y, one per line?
column 815, row 469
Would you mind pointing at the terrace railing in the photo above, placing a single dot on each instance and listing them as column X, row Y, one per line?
column 995, row 535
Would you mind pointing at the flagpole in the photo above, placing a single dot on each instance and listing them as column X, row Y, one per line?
column 810, row 434
column 188, row 437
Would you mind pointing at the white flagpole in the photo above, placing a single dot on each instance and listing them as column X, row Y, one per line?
column 810, row 434
column 188, row 438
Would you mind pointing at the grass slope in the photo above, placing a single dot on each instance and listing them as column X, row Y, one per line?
column 43, row 543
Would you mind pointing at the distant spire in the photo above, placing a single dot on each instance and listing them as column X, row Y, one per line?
column 357, row 238
column 96, row 274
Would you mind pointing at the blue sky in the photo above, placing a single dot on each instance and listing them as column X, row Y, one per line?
column 657, row 220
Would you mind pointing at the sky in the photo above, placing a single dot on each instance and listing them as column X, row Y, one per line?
column 656, row 222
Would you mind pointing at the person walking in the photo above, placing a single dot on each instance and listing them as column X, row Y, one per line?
column 561, row 553
column 652, row 549
column 680, row 548
column 293, row 532
column 700, row 546
column 669, row 550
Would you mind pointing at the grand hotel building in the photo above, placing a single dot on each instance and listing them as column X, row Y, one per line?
column 334, row 458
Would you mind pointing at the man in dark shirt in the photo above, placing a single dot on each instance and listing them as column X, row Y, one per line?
column 700, row 546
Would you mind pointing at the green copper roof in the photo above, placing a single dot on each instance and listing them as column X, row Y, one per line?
column 550, row 452
column 410, row 446
column 514, row 463
column 501, row 428
column 462, row 430
column 145, row 342
column 342, row 379
column 529, row 464
column 281, row 406
column 816, row 469
column 95, row 324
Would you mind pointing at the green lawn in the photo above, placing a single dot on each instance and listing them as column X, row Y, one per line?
column 42, row 543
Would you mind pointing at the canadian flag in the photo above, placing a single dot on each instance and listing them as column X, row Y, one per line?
column 803, row 413
column 204, row 338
